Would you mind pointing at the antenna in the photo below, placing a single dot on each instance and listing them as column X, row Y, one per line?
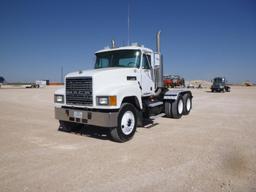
column 128, row 24
column 61, row 74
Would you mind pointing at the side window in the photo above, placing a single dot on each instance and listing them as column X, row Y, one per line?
column 146, row 63
column 102, row 62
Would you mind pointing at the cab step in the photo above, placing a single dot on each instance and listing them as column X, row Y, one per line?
column 156, row 116
column 155, row 104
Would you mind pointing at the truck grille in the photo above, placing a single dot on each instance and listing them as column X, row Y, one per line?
column 79, row 91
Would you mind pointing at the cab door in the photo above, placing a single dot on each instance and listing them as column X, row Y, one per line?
column 147, row 81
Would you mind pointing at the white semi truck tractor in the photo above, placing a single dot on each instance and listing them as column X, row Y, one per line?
column 124, row 89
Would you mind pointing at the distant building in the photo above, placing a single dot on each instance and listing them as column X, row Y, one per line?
column 42, row 83
column 2, row 80
column 47, row 82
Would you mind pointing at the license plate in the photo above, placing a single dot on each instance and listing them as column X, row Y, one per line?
column 78, row 114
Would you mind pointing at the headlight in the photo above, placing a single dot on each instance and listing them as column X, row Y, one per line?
column 107, row 100
column 102, row 100
column 58, row 98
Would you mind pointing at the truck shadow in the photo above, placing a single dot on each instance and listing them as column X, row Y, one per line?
column 216, row 92
column 92, row 131
column 213, row 92
column 101, row 132
column 148, row 123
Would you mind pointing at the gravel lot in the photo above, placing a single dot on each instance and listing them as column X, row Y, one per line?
column 212, row 149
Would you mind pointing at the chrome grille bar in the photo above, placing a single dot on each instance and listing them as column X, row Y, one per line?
column 79, row 91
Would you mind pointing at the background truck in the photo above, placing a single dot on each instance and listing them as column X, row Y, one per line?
column 38, row 84
column 132, row 92
column 174, row 81
column 220, row 85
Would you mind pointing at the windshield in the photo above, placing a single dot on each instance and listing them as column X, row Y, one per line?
column 218, row 80
column 121, row 58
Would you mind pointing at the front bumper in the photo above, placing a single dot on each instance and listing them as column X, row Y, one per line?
column 96, row 118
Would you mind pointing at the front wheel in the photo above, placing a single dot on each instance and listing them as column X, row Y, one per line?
column 126, row 125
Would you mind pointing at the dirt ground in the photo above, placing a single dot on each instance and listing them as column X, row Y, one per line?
column 212, row 149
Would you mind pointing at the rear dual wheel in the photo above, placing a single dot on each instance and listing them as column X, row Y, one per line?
column 227, row 89
column 174, row 109
column 181, row 106
column 187, row 104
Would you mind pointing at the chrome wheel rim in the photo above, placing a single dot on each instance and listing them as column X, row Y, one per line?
column 180, row 106
column 188, row 104
column 127, row 122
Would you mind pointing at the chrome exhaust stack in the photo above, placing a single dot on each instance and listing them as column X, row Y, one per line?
column 158, row 68
column 158, row 42
column 113, row 44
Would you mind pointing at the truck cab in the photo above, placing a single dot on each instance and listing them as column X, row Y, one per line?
column 219, row 84
column 135, row 60
column 123, row 90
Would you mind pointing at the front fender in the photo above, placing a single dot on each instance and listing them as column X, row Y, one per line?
column 121, row 91
column 60, row 91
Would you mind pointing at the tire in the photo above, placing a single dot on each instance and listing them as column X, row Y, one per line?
column 168, row 109
column 177, row 108
column 174, row 109
column 126, row 124
column 187, row 99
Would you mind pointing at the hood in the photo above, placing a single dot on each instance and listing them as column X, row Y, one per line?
column 107, row 80
column 103, row 72
column 114, row 81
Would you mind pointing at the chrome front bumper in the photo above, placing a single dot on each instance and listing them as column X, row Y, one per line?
column 96, row 118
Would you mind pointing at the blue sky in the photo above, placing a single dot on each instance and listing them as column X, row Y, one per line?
column 200, row 38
